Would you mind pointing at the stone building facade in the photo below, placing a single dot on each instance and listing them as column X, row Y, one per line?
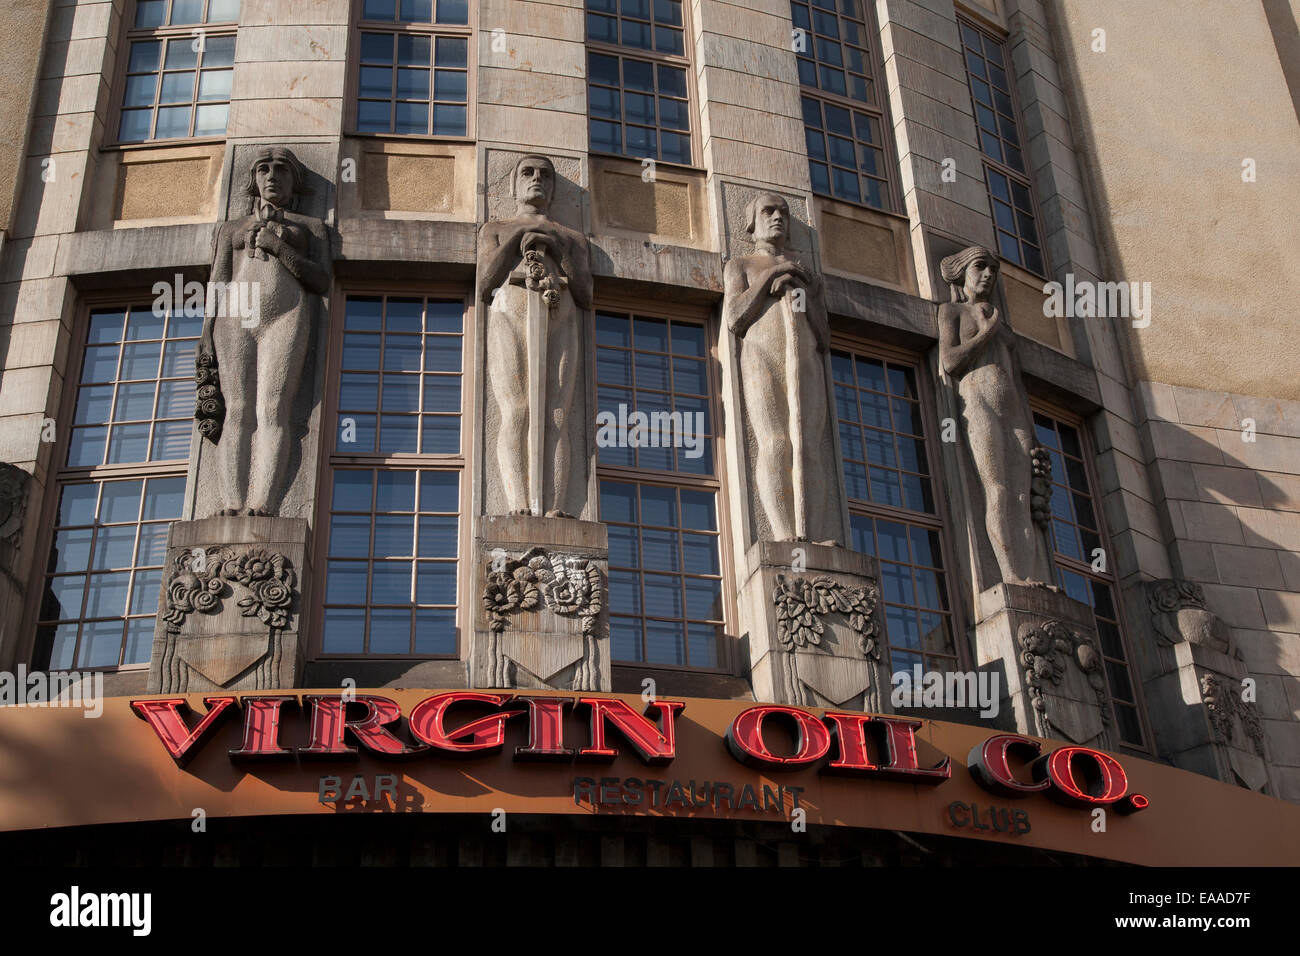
column 499, row 231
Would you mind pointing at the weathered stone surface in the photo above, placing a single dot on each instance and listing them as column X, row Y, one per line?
column 231, row 606
column 542, row 618
column 775, row 314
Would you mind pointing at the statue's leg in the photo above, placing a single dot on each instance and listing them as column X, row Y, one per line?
column 818, row 502
column 996, row 453
column 236, row 360
column 282, row 348
column 507, row 386
column 564, row 359
column 762, row 366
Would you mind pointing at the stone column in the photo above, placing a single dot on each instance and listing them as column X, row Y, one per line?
column 1201, row 708
column 230, row 610
column 807, row 604
column 540, row 556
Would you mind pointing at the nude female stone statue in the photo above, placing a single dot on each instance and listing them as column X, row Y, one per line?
column 284, row 258
column 535, row 278
column 976, row 350
column 774, row 305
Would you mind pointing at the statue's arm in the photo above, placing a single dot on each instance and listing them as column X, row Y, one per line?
column 222, row 268
column 817, row 318
column 743, row 302
column 498, row 250
column 955, row 356
column 312, row 268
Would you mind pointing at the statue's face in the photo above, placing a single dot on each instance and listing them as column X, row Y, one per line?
column 772, row 220
column 979, row 279
column 274, row 181
column 534, row 183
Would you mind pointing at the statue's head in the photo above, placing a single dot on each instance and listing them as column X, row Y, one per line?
column 971, row 274
column 276, row 176
column 767, row 219
column 534, row 182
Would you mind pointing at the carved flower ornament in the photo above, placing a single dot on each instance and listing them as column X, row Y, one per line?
column 199, row 581
column 567, row 585
column 801, row 602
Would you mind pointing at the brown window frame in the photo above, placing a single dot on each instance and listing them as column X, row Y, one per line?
column 352, row 93
column 1110, row 577
column 682, row 62
column 332, row 461
column 728, row 653
column 132, row 34
column 878, row 108
column 61, row 475
column 938, row 521
column 1025, row 179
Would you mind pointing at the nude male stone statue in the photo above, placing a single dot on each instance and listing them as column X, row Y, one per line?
column 285, row 256
column 775, row 305
column 976, row 350
column 535, row 277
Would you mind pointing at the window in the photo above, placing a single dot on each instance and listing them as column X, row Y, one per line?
column 413, row 75
column 659, row 491
column 843, row 113
column 1078, row 539
column 639, row 102
column 996, row 117
column 122, row 481
column 179, row 64
column 892, row 512
column 392, row 540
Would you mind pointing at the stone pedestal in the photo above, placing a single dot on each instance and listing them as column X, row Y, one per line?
column 230, row 611
column 542, row 618
column 1052, row 676
column 809, row 613
column 1202, row 717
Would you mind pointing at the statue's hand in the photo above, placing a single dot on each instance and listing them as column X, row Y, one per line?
column 268, row 241
column 532, row 238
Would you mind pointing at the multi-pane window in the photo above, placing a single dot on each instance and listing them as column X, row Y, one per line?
column 1005, row 171
column 843, row 114
column 179, row 63
column 413, row 75
column 639, row 104
column 892, row 510
column 1083, row 564
column 659, row 490
column 121, row 483
column 393, row 523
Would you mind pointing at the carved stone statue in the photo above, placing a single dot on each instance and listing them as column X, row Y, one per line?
column 1179, row 613
column 250, row 366
column 977, row 351
column 534, row 273
column 775, row 305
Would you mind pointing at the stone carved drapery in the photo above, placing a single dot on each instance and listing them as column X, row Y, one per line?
column 1049, row 650
column 977, row 354
column 535, row 281
column 567, row 585
column 249, row 369
column 774, row 306
column 202, row 580
column 801, row 604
